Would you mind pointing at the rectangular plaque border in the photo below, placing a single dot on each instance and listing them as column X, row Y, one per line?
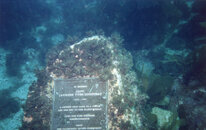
column 71, row 79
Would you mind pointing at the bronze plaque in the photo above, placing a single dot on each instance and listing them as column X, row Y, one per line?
column 79, row 104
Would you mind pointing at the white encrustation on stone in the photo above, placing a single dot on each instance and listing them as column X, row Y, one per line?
column 96, row 37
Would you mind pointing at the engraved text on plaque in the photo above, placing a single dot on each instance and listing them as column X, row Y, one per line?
column 79, row 104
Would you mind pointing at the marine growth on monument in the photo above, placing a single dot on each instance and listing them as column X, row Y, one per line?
column 89, row 85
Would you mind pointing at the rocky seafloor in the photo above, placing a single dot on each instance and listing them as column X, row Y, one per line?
column 139, row 97
column 157, row 69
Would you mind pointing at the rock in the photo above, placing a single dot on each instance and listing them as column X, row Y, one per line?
column 166, row 119
column 163, row 116
column 95, row 56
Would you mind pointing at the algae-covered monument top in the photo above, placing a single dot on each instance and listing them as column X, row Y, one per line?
column 102, row 59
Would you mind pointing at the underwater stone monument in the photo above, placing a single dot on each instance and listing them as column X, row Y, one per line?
column 87, row 85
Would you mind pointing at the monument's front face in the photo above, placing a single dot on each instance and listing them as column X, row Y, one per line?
column 79, row 104
column 92, row 87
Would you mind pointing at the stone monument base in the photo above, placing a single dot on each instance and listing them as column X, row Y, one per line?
column 113, row 97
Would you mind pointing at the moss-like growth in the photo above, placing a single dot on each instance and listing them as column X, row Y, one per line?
column 43, row 77
column 91, row 58
column 127, row 126
column 37, row 110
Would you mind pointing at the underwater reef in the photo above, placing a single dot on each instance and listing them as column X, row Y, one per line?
column 152, row 52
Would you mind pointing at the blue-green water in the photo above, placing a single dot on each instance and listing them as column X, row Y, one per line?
column 167, row 40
